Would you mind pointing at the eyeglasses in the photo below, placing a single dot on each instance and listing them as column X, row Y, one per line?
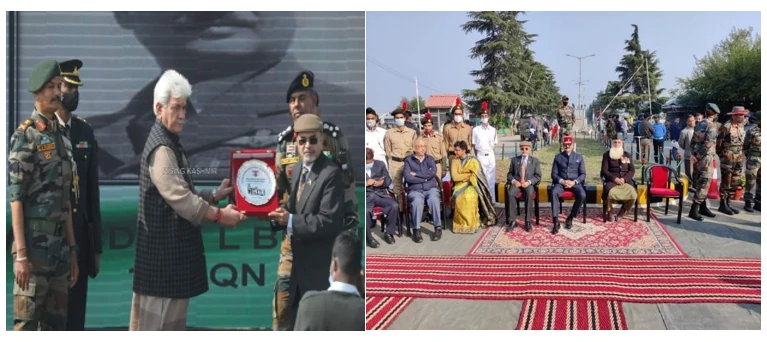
column 312, row 141
column 524, row 148
column 567, row 145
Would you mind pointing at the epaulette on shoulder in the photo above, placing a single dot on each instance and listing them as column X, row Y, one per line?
column 285, row 134
column 24, row 125
column 331, row 129
column 79, row 118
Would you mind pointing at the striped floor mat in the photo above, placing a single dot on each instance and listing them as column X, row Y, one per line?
column 635, row 280
column 380, row 312
column 556, row 314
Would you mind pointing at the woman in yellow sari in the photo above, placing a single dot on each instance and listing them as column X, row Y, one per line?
column 471, row 199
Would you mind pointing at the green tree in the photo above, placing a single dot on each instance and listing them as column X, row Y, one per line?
column 642, row 64
column 510, row 78
column 729, row 74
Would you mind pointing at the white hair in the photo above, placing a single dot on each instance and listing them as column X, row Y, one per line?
column 170, row 85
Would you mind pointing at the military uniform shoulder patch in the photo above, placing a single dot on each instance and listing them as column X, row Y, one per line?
column 331, row 129
column 24, row 125
column 286, row 134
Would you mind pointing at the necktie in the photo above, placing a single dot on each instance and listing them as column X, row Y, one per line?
column 66, row 131
column 524, row 169
column 302, row 182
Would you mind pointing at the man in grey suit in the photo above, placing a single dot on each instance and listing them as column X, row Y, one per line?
column 524, row 174
column 341, row 307
column 314, row 214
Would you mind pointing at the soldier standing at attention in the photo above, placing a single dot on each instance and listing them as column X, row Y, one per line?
column 398, row 143
column 524, row 127
column 729, row 147
column 456, row 131
column 435, row 145
column 303, row 99
column 566, row 120
column 753, row 149
column 41, row 175
column 85, row 199
column 703, row 151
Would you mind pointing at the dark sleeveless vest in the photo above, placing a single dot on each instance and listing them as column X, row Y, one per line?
column 170, row 257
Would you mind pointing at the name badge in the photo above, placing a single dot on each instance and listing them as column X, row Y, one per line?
column 289, row 160
column 46, row 147
column 82, row 144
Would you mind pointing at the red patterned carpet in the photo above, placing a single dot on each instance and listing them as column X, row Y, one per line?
column 638, row 280
column 594, row 238
column 380, row 312
column 548, row 314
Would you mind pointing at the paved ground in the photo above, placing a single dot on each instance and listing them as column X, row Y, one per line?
column 723, row 236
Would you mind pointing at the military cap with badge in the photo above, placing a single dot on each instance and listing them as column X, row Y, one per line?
column 70, row 74
column 304, row 81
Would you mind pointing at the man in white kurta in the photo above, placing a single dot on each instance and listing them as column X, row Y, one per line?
column 374, row 135
column 485, row 138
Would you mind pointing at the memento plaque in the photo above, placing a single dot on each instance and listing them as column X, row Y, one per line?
column 255, row 181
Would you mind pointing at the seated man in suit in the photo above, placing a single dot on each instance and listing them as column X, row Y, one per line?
column 524, row 173
column 618, row 172
column 420, row 175
column 377, row 183
column 341, row 307
column 314, row 214
column 567, row 172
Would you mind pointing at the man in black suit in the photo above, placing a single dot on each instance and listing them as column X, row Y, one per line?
column 86, row 209
column 238, row 64
column 567, row 173
column 314, row 213
column 524, row 174
column 341, row 307
column 377, row 183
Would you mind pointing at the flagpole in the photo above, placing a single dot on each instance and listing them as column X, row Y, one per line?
column 649, row 91
column 417, row 101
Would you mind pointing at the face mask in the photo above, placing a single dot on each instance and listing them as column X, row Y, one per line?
column 458, row 119
column 399, row 122
column 369, row 166
column 371, row 123
column 485, row 120
column 70, row 100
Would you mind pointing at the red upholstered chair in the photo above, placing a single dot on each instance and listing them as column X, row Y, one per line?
column 520, row 198
column 659, row 179
column 379, row 216
column 569, row 195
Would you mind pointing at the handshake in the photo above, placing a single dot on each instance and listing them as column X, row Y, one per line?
column 227, row 216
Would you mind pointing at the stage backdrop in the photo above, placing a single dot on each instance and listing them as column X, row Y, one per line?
column 240, row 65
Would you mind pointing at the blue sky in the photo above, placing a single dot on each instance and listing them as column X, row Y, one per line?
column 439, row 49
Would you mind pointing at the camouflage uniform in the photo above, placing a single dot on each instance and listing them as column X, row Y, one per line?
column 524, row 128
column 752, row 146
column 729, row 148
column 566, row 120
column 336, row 148
column 41, row 172
column 610, row 129
column 703, row 149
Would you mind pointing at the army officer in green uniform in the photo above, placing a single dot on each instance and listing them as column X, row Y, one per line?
column 86, row 210
column 303, row 99
column 41, row 174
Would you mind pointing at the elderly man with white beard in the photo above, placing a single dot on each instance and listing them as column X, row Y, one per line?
column 618, row 172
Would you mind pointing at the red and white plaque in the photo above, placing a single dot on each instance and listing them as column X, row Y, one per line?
column 255, row 181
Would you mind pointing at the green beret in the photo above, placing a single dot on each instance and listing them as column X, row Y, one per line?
column 42, row 73
column 713, row 107
column 307, row 123
column 304, row 81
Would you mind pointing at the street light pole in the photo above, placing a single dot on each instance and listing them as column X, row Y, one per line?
column 580, row 69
